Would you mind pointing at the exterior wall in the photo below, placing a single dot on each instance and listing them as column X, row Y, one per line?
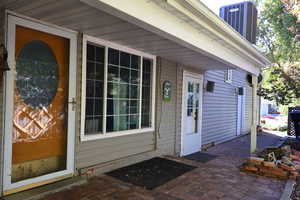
column 166, row 112
column 2, row 30
column 104, row 155
column 220, row 107
column 108, row 154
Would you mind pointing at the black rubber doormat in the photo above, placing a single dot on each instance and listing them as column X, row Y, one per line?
column 200, row 157
column 151, row 173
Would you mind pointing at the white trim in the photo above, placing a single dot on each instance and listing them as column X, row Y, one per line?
column 3, row 100
column 141, row 92
column 201, row 78
column 108, row 44
column 104, row 90
column 115, row 134
column 240, row 118
column 228, row 76
column 13, row 21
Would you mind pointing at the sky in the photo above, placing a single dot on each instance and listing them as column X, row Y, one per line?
column 215, row 5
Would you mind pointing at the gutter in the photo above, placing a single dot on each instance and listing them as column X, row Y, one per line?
column 201, row 17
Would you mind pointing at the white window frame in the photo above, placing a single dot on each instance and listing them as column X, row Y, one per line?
column 106, row 44
column 228, row 75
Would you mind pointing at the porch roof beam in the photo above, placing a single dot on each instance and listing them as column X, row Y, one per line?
column 182, row 25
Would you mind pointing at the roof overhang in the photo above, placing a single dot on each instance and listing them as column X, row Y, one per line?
column 190, row 24
column 205, row 18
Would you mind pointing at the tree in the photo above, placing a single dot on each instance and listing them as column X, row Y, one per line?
column 277, row 28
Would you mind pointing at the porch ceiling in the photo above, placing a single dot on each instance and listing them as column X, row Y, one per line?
column 78, row 16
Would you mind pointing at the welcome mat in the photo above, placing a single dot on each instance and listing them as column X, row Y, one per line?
column 151, row 173
column 201, row 157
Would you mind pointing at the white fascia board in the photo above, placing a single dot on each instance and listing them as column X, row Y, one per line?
column 167, row 23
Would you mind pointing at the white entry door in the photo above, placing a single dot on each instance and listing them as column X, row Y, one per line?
column 191, row 113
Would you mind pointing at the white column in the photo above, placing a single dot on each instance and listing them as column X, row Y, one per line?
column 254, row 114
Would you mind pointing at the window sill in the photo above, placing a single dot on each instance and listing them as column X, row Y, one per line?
column 229, row 82
column 85, row 138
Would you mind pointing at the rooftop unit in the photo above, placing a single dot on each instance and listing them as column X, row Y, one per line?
column 242, row 17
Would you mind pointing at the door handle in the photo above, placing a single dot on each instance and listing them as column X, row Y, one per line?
column 195, row 114
column 73, row 102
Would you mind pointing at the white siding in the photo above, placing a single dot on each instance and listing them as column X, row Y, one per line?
column 220, row 107
column 166, row 110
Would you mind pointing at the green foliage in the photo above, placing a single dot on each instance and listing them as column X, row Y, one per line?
column 276, row 36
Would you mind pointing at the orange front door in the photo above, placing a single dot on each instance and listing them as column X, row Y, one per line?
column 40, row 104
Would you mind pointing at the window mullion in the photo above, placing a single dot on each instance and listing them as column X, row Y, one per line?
column 105, row 90
column 141, row 92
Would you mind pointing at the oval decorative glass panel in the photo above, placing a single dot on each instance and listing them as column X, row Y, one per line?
column 37, row 74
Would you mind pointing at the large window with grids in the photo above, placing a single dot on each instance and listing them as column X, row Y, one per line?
column 118, row 90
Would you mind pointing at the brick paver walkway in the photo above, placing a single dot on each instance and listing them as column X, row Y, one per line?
column 217, row 179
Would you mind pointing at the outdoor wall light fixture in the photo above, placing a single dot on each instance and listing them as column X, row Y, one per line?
column 210, row 86
column 240, row 91
column 3, row 59
column 249, row 79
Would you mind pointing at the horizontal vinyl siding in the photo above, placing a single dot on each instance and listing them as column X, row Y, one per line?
column 104, row 150
column 220, row 107
column 179, row 109
column 166, row 110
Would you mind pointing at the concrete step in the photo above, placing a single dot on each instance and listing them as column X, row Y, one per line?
column 42, row 191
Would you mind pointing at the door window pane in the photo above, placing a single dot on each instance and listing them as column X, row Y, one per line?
column 193, row 105
column 37, row 74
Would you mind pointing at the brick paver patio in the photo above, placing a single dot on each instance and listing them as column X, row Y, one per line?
column 217, row 179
